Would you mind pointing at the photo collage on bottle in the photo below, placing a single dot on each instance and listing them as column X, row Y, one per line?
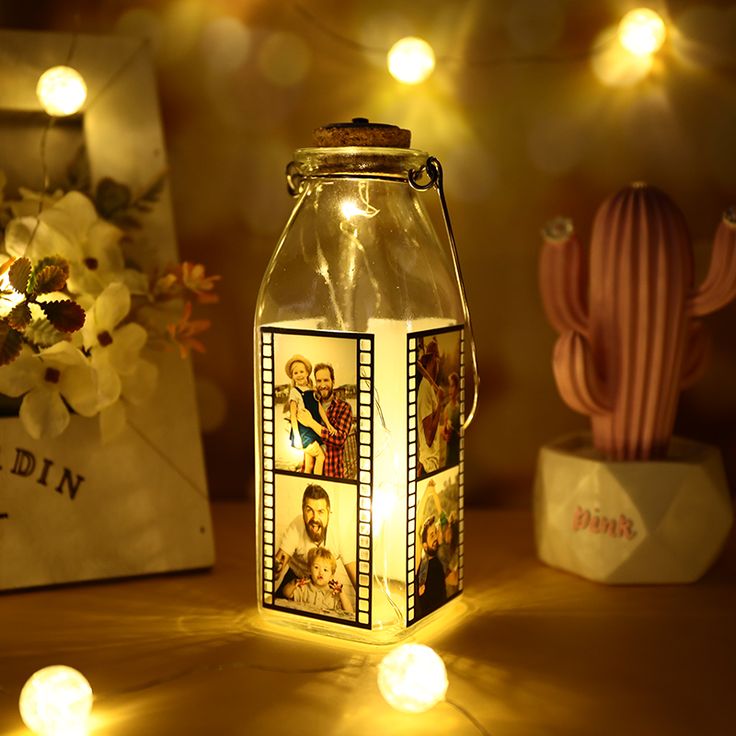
column 317, row 398
column 436, row 412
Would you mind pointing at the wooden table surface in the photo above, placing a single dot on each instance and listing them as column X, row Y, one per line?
column 536, row 652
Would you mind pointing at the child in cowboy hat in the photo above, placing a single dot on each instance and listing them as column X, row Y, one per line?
column 302, row 396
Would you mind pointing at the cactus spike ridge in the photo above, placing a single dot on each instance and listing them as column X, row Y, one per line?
column 697, row 351
column 628, row 338
column 563, row 278
column 719, row 285
column 576, row 376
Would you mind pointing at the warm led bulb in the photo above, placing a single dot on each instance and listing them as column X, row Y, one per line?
column 349, row 209
column 412, row 678
column 61, row 91
column 411, row 60
column 642, row 32
column 56, row 701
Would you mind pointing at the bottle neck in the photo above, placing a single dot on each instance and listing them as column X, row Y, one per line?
column 353, row 162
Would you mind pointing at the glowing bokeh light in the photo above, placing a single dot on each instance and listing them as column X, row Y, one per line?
column 412, row 678
column 642, row 32
column 181, row 28
column 411, row 60
column 349, row 209
column 143, row 24
column 61, row 91
column 56, row 701
column 616, row 67
column 284, row 59
column 225, row 43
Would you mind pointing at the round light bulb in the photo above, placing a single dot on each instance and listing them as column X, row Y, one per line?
column 56, row 701
column 349, row 209
column 412, row 678
column 411, row 60
column 61, row 91
column 642, row 32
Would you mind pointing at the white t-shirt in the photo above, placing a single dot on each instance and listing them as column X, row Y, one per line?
column 427, row 403
column 296, row 543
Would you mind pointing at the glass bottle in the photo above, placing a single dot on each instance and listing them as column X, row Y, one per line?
column 359, row 524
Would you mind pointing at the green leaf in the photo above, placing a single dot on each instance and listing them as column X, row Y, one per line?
column 42, row 334
column 19, row 273
column 65, row 315
column 50, row 278
column 49, row 274
column 11, row 341
column 20, row 316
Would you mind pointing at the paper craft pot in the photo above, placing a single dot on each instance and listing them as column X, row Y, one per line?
column 623, row 522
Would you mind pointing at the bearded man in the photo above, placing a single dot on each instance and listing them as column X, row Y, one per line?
column 431, row 576
column 340, row 415
column 311, row 529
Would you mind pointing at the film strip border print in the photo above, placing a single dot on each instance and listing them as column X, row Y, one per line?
column 413, row 463
column 366, row 371
column 461, row 469
column 364, row 436
column 267, row 440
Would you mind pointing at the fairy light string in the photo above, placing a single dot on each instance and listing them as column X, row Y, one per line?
column 46, row 187
column 365, row 664
column 570, row 57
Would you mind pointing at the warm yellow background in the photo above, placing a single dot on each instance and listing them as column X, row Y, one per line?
column 520, row 143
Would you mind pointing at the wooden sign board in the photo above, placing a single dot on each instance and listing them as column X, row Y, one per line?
column 74, row 508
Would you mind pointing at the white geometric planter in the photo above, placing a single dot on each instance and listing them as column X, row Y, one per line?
column 662, row 521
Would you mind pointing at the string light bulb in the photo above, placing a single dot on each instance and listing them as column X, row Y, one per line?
column 56, row 701
column 642, row 32
column 411, row 60
column 412, row 678
column 61, row 90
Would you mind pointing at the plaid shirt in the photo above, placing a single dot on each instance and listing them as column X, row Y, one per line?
column 341, row 418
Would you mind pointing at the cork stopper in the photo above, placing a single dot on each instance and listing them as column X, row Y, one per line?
column 361, row 132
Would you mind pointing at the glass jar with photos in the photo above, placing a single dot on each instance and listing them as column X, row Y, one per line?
column 359, row 393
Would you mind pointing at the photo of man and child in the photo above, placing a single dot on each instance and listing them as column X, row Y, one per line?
column 318, row 434
column 438, row 401
column 315, row 561
column 437, row 567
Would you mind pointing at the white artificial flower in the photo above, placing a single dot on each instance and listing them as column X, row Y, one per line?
column 100, row 258
column 35, row 239
column 72, row 229
column 31, row 203
column 47, row 380
column 115, row 351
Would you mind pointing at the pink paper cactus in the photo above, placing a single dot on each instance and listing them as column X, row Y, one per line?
column 627, row 316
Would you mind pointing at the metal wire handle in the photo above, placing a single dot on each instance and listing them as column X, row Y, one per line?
column 433, row 170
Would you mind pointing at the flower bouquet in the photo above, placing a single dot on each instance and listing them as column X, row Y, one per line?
column 102, row 473
column 78, row 311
